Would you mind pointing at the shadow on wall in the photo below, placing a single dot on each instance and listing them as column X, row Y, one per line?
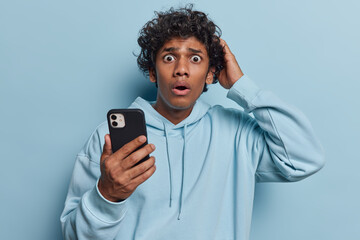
column 148, row 92
column 139, row 85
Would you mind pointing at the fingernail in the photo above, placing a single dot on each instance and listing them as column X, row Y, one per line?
column 142, row 139
column 152, row 146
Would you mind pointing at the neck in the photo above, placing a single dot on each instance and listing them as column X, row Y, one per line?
column 175, row 116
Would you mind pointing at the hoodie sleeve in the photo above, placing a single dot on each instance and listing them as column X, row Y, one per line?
column 281, row 142
column 87, row 214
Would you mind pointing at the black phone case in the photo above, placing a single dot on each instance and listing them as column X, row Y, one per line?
column 134, row 127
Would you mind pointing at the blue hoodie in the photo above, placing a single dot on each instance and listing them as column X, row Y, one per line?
column 206, row 170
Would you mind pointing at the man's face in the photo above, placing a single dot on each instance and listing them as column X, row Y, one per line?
column 181, row 71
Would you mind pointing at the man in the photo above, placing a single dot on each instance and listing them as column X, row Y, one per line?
column 208, row 159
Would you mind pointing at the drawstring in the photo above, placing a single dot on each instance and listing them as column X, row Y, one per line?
column 168, row 157
column 182, row 174
column 182, row 169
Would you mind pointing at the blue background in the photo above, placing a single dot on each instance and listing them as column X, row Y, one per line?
column 63, row 64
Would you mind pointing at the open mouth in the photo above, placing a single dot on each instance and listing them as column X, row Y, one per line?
column 181, row 89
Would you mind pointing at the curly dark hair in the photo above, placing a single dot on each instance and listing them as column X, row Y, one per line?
column 184, row 22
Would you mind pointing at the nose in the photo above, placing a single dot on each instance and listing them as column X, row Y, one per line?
column 181, row 67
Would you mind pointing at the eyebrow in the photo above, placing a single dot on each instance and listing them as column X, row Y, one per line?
column 174, row 49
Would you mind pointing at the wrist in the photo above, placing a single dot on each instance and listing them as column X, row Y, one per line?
column 104, row 193
column 232, row 82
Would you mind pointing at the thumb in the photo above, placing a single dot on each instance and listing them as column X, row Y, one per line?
column 107, row 150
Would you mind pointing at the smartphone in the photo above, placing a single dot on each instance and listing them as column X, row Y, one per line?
column 124, row 126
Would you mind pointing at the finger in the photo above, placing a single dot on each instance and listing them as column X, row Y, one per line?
column 135, row 157
column 226, row 48
column 139, row 179
column 128, row 148
column 224, row 45
column 141, row 168
column 222, row 42
column 107, row 150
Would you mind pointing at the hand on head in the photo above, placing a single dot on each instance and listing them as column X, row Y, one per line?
column 231, row 72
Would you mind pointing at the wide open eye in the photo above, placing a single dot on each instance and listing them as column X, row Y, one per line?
column 169, row 58
column 196, row 58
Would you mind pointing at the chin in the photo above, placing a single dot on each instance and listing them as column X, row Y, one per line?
column 182, row 105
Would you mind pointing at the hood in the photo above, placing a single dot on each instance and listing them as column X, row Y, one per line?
column 161, row 126
column 156, row 120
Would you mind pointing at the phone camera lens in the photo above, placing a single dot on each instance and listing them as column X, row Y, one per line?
column 114, row 123
column 113, row 117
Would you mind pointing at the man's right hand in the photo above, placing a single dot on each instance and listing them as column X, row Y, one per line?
column 119, row 177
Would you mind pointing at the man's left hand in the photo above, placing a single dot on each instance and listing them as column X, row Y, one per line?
column 231, row 72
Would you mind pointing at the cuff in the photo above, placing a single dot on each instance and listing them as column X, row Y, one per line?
column 102, row 208
column 244, row 92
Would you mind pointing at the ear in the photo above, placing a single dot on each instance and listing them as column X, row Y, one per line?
column 152, row 75
column 210, row 76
